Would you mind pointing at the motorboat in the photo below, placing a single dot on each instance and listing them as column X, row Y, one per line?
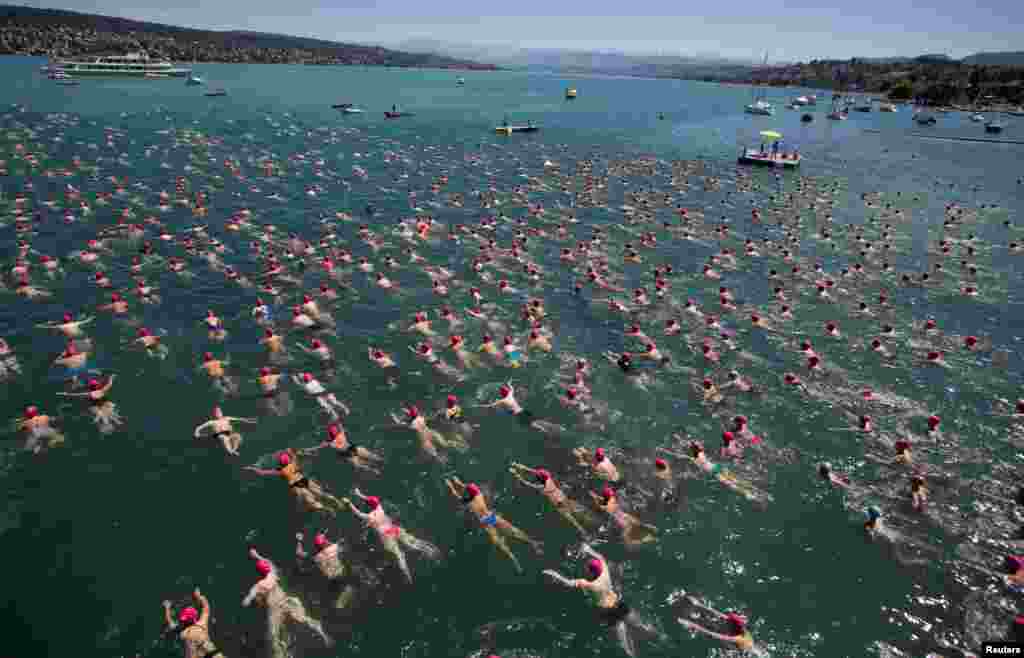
column 862, row 108
column 753, row 156
column 760, row 107
column 216, row 92
column 194, row 80
column 155, row 76
column 347, row 108
column 886, row 107
column 801, row 101
column 994, row 127
column 977, row 118
column 506, row 129
column 460, row 81
column 67, row 82
column 570, row 93
column 926, row 119
column 397, row 115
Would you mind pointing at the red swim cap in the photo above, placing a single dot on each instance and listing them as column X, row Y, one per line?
column 283, row 458
column 727, row 437
column 207, row 356
column 599, row 454
column 333, row 430
column 188, row 615
column 307, row 377
column 933, row 356
column 31, row 411
column 933, row 421
column 542, row 475
column 68, row 317
column 970, row 341
column 473, row 490
column 320, row 540
column 452, row 401
column 264, row 371
column 595, row 567
column 504, row 391
column 929, row 324
column 739, row 622
column 264, row 567
column 373, row 502
column 660, row 463
column 608, row 493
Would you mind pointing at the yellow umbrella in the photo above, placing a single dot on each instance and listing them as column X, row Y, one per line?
column 771, row 134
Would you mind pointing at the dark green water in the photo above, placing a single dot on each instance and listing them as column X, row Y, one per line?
column 98, row 532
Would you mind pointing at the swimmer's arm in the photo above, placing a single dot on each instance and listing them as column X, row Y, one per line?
column 73, row 395
column 198, row 429
column 168, row 619
column 251, row 596
column 700, row 629
column 300, row 550
column 204, row 605
column 674, row 454
column 251, row 421
column 523, row 480
column 452, row 489
column 560, row 579
column 110, row 383
column 259, row 471
column 592, row 553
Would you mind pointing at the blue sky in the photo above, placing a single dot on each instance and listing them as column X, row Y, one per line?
column 787, row 29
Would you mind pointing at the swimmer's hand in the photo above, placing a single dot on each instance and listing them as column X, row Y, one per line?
column 253, row 554
column 196, row 594
column 299, row 536
column 167, row 604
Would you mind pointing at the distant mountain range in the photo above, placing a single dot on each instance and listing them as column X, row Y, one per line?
column 31, row 30
column 613, row 62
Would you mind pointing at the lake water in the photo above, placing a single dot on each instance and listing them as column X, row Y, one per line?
column 98, row 532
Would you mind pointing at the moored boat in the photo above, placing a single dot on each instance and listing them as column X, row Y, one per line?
column 570, row 93
column 994, row 127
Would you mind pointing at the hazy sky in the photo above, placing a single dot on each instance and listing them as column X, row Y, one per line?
column 787, row 29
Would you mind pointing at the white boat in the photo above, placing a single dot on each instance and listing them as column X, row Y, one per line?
column 812, row 99
column 135, row 65
column 994, row 127
column 801, row 101
column 925, row 119
column 352, row 110
column 761, row 107
column 460, row 81
column 977, row 118
column 886, row 107
column 194, row 80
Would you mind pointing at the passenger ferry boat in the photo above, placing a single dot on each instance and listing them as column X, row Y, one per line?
column 117, row 66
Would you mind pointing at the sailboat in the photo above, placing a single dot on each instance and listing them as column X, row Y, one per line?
column 760, row 105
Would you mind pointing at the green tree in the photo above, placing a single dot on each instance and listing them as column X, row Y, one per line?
column 901, row 91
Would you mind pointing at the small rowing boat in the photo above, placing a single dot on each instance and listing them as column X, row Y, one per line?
column 508, row 130
column 396, row 115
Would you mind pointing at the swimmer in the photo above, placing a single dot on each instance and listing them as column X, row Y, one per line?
column 565, row 506
column 68, row 326
column 508, row 402
column 634, row 531
column 193, row 628
column 327, row 400
column 215, row 369
column 698, row 456
column 319, row 350
column 392, row 536
column 425, row 351
column 327, row 558
column 453, row 415
column 308, row 492
column 614, row 609
column 73, row 360
column 493, row 523
column 598, row 462
column 457, row 344
column 104, row 412
column 38, row 429
column 154, row 348
column 215, row 326
column 381, row 358
column 826, row 473
column 739, row 635
column 8, row 360
column 427, row 436
column 221, row 426
column 280, row 608
column 918, row 492
column 357, row 455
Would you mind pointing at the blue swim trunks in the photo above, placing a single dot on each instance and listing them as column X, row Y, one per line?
column 490, row 520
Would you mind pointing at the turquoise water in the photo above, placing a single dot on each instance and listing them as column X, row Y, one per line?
column 98, row 532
